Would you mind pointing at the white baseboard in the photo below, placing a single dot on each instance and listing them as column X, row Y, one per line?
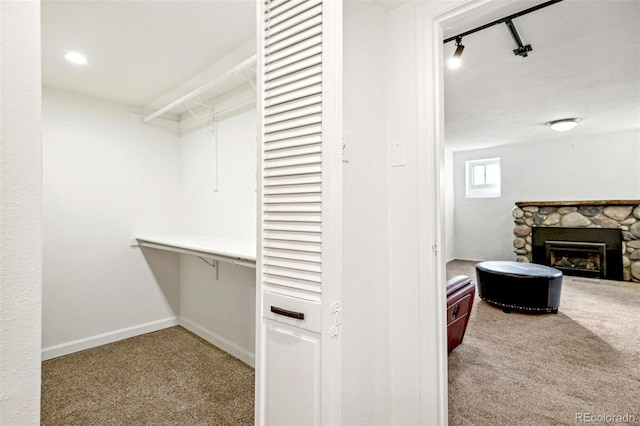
column 468, row 260
column 110, row 337
column 219, row 341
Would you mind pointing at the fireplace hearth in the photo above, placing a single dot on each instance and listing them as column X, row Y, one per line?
column 585, row 252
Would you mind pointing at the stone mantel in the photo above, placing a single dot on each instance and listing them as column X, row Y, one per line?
column 578, row 203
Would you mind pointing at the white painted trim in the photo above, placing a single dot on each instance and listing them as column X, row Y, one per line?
column 332, row 80
column 430, row 87
column 466, row 260
column 110, row 337
column 260, row 373
column 218, row 341
column 433, row 357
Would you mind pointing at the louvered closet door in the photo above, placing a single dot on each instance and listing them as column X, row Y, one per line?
column 300, row 212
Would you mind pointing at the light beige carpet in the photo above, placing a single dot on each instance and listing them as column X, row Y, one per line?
column 170, row 377
column 511, row 369
column 518, row 369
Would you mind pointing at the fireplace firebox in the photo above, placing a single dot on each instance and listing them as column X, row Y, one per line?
column 587, row 252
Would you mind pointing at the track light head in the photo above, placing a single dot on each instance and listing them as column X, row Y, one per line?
column 455, row 60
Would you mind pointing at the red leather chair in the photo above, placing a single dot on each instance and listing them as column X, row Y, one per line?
column 460, row 294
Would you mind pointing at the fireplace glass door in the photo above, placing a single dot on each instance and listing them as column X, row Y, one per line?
column 581, row 258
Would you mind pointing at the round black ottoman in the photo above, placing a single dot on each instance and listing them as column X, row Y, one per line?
column 518, row 286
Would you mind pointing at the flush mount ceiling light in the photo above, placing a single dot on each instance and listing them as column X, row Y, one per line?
column 455, row 60
column 564, row 124
column 76, row 58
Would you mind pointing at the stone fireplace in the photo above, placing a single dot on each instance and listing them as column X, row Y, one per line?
column 589, row 238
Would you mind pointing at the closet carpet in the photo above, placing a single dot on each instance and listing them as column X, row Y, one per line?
column 579, row 366
column 169, row 377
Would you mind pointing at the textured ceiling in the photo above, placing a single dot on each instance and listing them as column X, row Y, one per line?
column 139, row 50
column 585, row 63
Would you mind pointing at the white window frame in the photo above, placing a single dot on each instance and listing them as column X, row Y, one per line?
column 482, row 190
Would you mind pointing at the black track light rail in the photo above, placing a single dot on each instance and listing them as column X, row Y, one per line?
column 506, row 20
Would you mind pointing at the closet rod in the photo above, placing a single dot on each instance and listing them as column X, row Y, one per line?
column 230, row 73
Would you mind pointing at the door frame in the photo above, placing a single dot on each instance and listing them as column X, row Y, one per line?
column 431, row 243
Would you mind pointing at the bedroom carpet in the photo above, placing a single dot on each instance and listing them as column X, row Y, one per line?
column 511, row 369
column 581, row 364
column 169, row 377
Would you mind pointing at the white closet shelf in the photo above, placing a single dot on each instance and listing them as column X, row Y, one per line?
column 231, row 250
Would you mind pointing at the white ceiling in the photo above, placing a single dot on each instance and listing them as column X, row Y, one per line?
column 585, row 63
column 140, row 51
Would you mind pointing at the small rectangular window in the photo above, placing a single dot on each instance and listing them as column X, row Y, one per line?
column 483, row 178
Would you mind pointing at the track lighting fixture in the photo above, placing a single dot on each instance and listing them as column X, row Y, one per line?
column 521, row 50
column 563, row 125
column 455, row 60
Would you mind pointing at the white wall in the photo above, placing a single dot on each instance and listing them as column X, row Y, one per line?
column 366, row 378
column 20, row 209
column 221, row 311
column 105, row 178
column 417, row 330
column 403, row 219
column 597, row 167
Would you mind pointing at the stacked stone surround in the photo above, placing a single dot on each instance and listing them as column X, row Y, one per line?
column 624, row 215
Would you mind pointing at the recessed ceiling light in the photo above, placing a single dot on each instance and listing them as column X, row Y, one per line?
column 76, row 58
column 564, row 124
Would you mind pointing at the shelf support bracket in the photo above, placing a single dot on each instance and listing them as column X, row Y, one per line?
column 213, row 264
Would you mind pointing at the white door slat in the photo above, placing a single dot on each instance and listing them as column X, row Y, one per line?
column 284, row 190
column 293, row 198
column 304, row 46
column 299, row 94
column 274, row 4
column 305, row 33
column 275, row 111
column 299, row 142
column 293, row 208
column 310, row 81
column 298, row 160
column 293, row 171
column 293, row 152
column 312, row 21
column 303, row 121
column 293, row 227
column 278, row 7
column 305, row 63
column 290, row 115
column 273, row 29
column 292, row 273
column 292, row 254
column 292, row 217
column 303, row 237
column 293, row 78
column 297, row 265
column 292, row 60
column 275, row 181
column 291, row 283
column 306, row 247
column 287, row 14
column 293, row 133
